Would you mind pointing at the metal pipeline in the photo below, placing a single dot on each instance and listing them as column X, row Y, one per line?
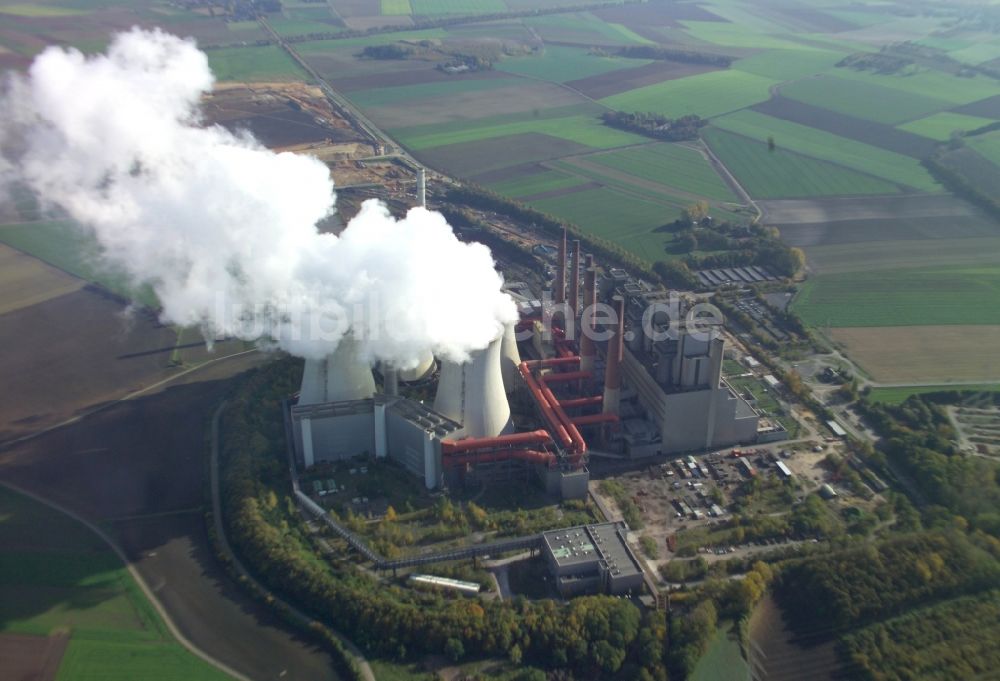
column 534, row 437
column 529, row 455
column 565, row 377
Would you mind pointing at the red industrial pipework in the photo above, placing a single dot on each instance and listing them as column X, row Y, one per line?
column 550, row 362
column 582, row 402
column 594, row 419
column 565, row 376
column 562, row 434
column 530, row 455
column 516, row 439
column 579, row 446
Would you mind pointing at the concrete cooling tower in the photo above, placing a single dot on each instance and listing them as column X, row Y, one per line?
column 510, row 359
column 423, row 370
column 339, row 377
column 473, row 393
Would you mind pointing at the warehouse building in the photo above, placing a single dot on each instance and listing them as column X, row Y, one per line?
column 592, row 559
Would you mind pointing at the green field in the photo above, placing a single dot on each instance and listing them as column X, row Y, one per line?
column 396, row 7
column 899, row 395
column 561, row 63
column 618, row 217
column 584, row 129
column 904, row 297
column 781, row 173
column 738, row 35
column 436, row 7
column 722, row 660
column 400, row 94
column 788, row 64
column 925, row 83
column 536, row 183
column 38, row 11
column 267, row 63
column 72, row 250
column 829, row 147
column 987, row 145
column 583, row 28
column 862, row 99
column 57, row 576
column 672, row 165
column 941, row 126
column 904, row 254
column 707, row 94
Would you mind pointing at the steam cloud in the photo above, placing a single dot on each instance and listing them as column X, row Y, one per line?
column 224, row 229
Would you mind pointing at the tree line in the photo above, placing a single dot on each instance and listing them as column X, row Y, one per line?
column 655, row 125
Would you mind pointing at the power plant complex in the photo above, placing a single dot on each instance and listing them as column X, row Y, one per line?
column 633, row 385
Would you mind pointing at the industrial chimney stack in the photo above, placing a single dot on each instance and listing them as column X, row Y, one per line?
column 613, row 367
column 587, row 349
column 560, row 292
column 422, row 187
column 574, row 281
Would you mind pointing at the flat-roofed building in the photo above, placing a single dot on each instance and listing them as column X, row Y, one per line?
column 593, row 559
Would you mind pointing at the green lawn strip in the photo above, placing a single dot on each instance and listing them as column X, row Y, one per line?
column 781, row 173
column 584, row 129
column 90, row 660
column 903, row 297
column 940, row 126
column 707, row 94
column 785, row 65
column 829, row 147
column 560, row 64
column 74, row 251
column 723, row 659
column 987, row 146
column 260, row 63
column 862, row 99
column 672, row 165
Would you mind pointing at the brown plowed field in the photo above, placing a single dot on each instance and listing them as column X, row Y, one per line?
column 471, row 158
column 31, row 658
column 615, row 82
column 27, row 281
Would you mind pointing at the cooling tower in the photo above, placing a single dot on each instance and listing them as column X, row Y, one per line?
column 424, row 368
column 339, row 377
column 510, row 358
column 473, row 393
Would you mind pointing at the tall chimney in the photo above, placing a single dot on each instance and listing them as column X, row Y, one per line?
column 422, row 187
column 587, row 349
column 560, row 292
column 574, row 282
column 390, row 380
column 613, row 368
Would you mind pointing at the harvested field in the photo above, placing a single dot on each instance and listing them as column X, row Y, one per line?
column 924, row 354
column 471, row 158
column 805, row 211
column 985, row 108
column 559, row 64
column 582, row 29
column 903, row 231
column 616, row 82
column 555, row 193
column 31, row 658
column 470, row 104
column 27, row 281
column 868, row 132
column 781, row 657
column 420, row 73
column 357, row 8
column 666, row 14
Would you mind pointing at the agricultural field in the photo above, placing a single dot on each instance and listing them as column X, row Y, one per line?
column 904, row 297
column 268, row 63
column 900, row 395
column 536, row 183
column 781, row 173
column 671, row 165
column 706, row 95
column 942, row 126
column 59, row 579
column 863, row 99
column 560, row 64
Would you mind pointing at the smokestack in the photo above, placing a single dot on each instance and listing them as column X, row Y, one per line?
column 473, row 393
column 390, row 380
column 574, row 282
column 422, row 187
column 510, row 358
column 612, row 372
column 587, row 348
column 339, row 377
column 560, row 292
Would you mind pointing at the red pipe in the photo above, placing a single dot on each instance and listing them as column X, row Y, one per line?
column 535, row 437
column 530, row 455
column 582, row 402
column 593, row 419
column 567, row 376
column 543, row 404
column 551, row 362
column 579, row 444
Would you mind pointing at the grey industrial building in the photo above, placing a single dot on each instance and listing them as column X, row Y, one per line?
column 673, row 379
column 592, row 559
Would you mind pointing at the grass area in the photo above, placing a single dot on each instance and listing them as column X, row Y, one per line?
column 941, row 126
column 562, row 63
column 762, row 396
column 987, row 146
column 902, row 254
column 977, row 53
column 73, row 250
column 56, row 575
column 781, row 173
column 396, row 7
column 943, row 85
column 618, row 217
column 736, row 34
column 267, row 63
column 286, row 27
column 788, row 64
column 863, row 99
column 37, row 11
column 829, row 147
column 583, row 129
column 438, row 7
column 400, row 94
column 669, row 164
column 723, row 659
column 904, row 297
column 707, row 94
column 584, row 28
column 536, row 183
column 319, row 47
column 899, row 395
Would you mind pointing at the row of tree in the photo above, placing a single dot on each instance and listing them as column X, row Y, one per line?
column 670, row 54
column 656, row 125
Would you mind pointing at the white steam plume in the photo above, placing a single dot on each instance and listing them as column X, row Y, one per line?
column 225, row 230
